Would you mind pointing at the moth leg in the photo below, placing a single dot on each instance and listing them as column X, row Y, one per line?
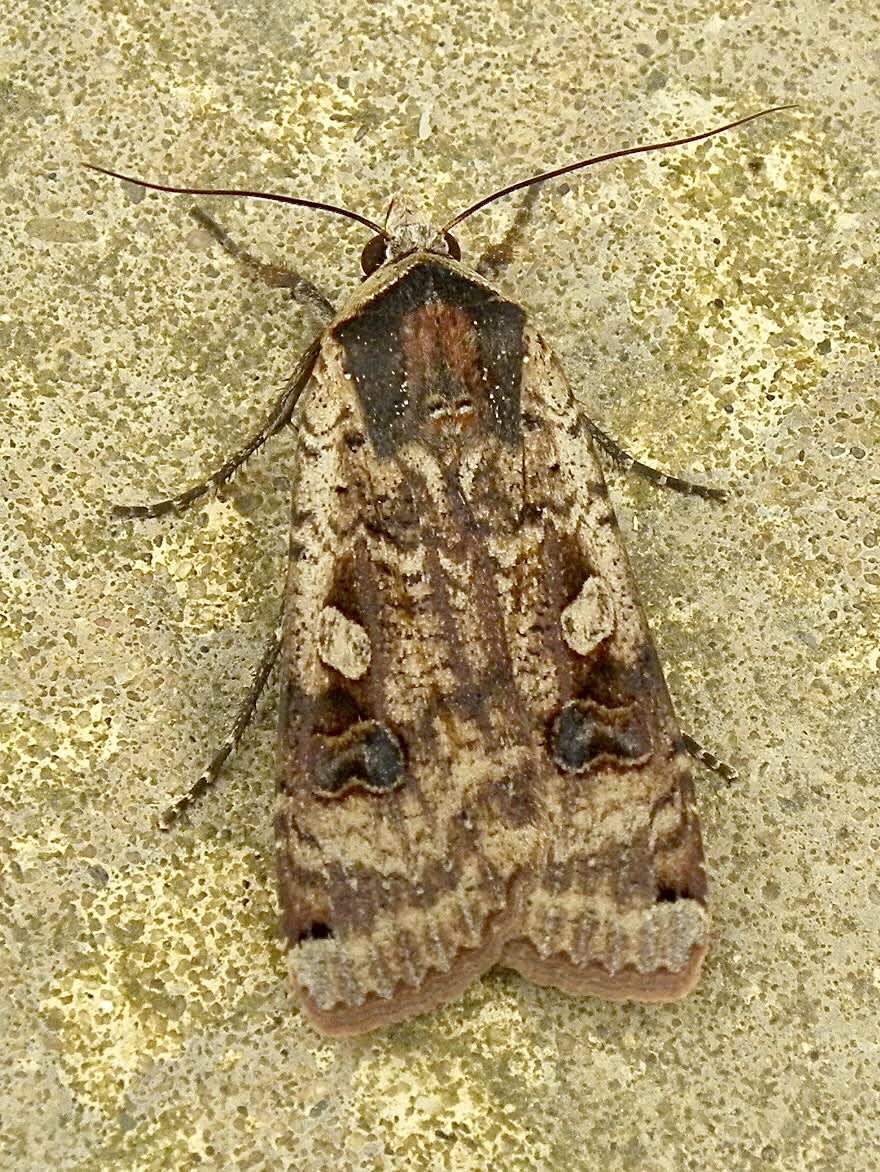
column 629, row 463
column 708, row 759
column 245, row 715
column 278, row 417
column 498, row 256
column 275, row 277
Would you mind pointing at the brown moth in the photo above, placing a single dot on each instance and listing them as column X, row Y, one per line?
column 478, row 760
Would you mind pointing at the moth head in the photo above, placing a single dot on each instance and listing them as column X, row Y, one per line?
column 406, row 232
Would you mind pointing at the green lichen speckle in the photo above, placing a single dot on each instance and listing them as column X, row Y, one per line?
column 717, row 310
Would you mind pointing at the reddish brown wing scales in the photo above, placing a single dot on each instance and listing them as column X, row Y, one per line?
column 440, row 355
column 477, row 757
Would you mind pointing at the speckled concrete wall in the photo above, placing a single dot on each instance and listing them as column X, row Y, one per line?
column 716, row 309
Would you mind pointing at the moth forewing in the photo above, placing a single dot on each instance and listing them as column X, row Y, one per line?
column 478, row 759
column 618, row 908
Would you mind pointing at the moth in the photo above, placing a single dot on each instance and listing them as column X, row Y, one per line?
column 478, row 759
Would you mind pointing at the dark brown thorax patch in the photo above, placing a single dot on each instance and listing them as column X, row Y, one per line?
column 436, row 356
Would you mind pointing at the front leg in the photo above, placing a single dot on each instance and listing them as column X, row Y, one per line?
column 301, row 289
column 499, row 256
column 277, row 417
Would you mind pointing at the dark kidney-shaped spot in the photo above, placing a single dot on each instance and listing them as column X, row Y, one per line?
column 584, row 731
column 366, row 756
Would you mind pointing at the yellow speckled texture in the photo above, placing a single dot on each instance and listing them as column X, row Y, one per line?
column 717, row 309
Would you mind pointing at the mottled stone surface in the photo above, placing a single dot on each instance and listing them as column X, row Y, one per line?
column 717, row 309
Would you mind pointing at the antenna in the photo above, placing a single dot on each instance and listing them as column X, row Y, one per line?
column 567, row 170
column 291, row 199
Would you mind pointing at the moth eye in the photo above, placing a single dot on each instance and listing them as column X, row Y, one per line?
column 373, row 255
column 452, row 245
